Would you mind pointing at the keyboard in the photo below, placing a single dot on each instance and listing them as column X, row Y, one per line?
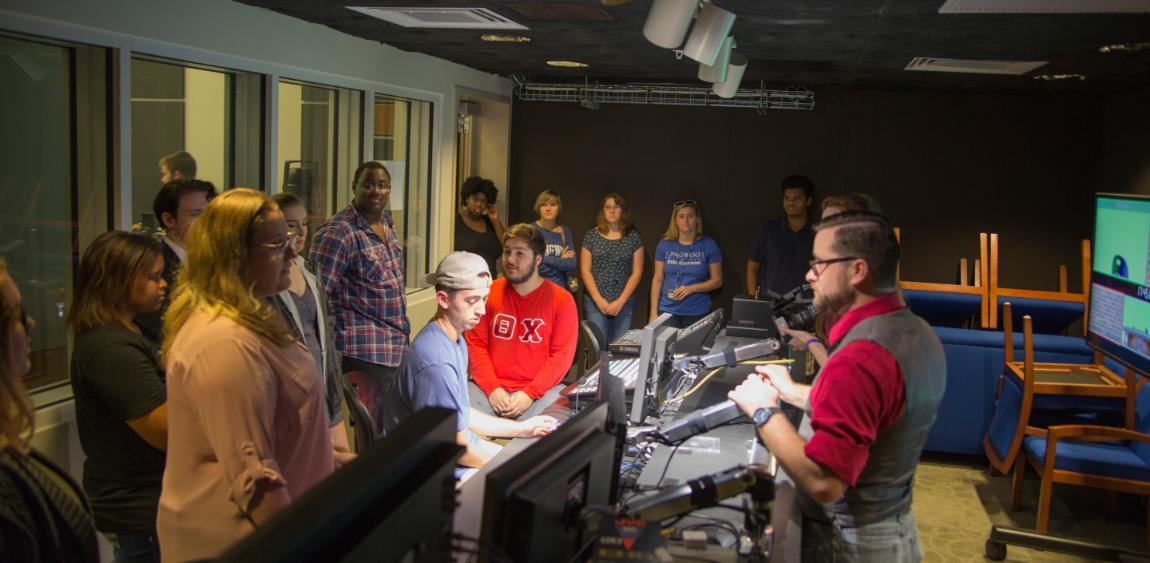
column 629, row 343
column 625, row 368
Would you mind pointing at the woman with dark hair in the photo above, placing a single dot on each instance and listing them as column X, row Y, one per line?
column 688, row 266
column 559, row 259
column 248, row 425
column 477, row 226
column 118, row 384
column 304, row 305
column 611, row 265
column 44, row 516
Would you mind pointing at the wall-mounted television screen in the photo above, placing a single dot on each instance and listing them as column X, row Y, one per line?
column 1119, row 285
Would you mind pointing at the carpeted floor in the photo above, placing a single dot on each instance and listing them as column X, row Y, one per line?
column 957, row 501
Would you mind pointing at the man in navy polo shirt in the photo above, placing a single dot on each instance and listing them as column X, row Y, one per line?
column 782, row 247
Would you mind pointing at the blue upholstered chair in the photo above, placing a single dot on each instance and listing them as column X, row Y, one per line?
column 1033, row 396
column 955, row 305
column 1102, row 457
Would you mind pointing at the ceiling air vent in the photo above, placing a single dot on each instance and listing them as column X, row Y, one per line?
column 440, row 18
column 972, row 66
column 1044, row 7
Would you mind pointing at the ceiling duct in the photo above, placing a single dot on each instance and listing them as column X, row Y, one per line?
column 440, row 18
column 1045, row 7
column 664, row 95
column 969, row 66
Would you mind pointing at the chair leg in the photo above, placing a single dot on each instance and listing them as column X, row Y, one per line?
column 1044, row 493
column 1016, row 483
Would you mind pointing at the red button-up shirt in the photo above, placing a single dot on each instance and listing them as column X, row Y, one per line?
column 858, row 393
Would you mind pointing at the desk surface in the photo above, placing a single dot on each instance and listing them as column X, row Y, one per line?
column 690, row 462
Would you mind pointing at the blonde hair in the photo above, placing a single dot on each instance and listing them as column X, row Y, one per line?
column 547, row 196
column 624, row 214
column 673, row 229
column 214, row 277
column 16, row 411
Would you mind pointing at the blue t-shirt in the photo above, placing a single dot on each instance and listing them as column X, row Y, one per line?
column 686, row 264
column 555, row 268
column 612, row 261
column 432, row 374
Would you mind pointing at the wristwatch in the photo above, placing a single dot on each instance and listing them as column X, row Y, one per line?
column 764, row 414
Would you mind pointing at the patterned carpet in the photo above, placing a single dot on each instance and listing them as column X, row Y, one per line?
column 956, row 503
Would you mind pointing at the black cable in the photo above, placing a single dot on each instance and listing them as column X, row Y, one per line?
column 663, row 475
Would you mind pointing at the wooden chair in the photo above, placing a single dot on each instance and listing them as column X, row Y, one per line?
column 1101, row 457
column 1029, row 300
column 957, row 291
column 1056, row 391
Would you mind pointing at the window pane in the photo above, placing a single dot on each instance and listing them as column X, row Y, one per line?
column 402, row 142
column 320, row 134
column 214, row 115
column 48, row 208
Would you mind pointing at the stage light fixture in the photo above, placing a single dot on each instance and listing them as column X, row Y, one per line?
column 707, row 36
column 668, row 21
column 729, row 87
column 717, row 72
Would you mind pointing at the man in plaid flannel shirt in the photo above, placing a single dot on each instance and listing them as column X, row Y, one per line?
column 360, row 262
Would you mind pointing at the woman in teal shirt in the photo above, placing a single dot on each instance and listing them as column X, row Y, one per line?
column 688, row 266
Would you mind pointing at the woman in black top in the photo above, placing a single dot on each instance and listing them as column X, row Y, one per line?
column 43, row 514
column 118, row 384
column 477, row 227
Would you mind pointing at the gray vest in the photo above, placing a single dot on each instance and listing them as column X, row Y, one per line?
column 884, row 487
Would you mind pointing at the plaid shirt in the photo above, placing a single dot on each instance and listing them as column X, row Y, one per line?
column 364, row 279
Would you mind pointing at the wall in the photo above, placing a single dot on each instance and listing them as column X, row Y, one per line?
column 944, row 167
column 1125, row 160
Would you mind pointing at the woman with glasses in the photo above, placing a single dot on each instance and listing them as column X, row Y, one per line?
column 611, row 266
column 688, row 266
column 247, row 423
column 118, row 383
column 44, row 516
column 304, row 306
column 477, row 226
column 559, row 260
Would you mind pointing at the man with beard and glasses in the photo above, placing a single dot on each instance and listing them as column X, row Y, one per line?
column 869, row 411
column 524, row 345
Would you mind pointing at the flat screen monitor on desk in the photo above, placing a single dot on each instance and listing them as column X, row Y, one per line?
column 393, row 503
column 699, row 337
column 650, row 355
column 1120, row 280
column 532, row 503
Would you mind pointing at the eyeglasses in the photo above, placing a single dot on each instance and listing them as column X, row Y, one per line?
column 826, row 263
column 290, row 241
column 382, row 185
column 681, row 203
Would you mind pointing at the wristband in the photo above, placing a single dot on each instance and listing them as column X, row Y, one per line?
column 810, row 341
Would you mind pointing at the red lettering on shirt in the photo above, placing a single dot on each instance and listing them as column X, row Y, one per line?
column 531, row 331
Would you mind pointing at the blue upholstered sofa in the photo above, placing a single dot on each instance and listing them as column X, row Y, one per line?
column 974, row 361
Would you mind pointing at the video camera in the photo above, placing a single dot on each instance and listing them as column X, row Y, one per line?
column 767, row 316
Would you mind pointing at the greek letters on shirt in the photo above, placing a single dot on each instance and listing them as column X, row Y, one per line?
column 505, row 327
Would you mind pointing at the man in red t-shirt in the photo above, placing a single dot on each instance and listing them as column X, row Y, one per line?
column 871, row 408
column 524, row 345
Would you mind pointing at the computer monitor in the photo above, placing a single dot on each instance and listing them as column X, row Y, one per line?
column 694, row 339
column 644, row 392
column 1120, row 280
column 394, row 503
column 533, row 502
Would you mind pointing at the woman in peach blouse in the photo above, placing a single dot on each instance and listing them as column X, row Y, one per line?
column 246, row 421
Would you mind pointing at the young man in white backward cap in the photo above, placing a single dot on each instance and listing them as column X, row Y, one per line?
column 434, row 372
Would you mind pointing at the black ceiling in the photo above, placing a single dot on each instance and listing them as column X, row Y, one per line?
column 811, row 43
